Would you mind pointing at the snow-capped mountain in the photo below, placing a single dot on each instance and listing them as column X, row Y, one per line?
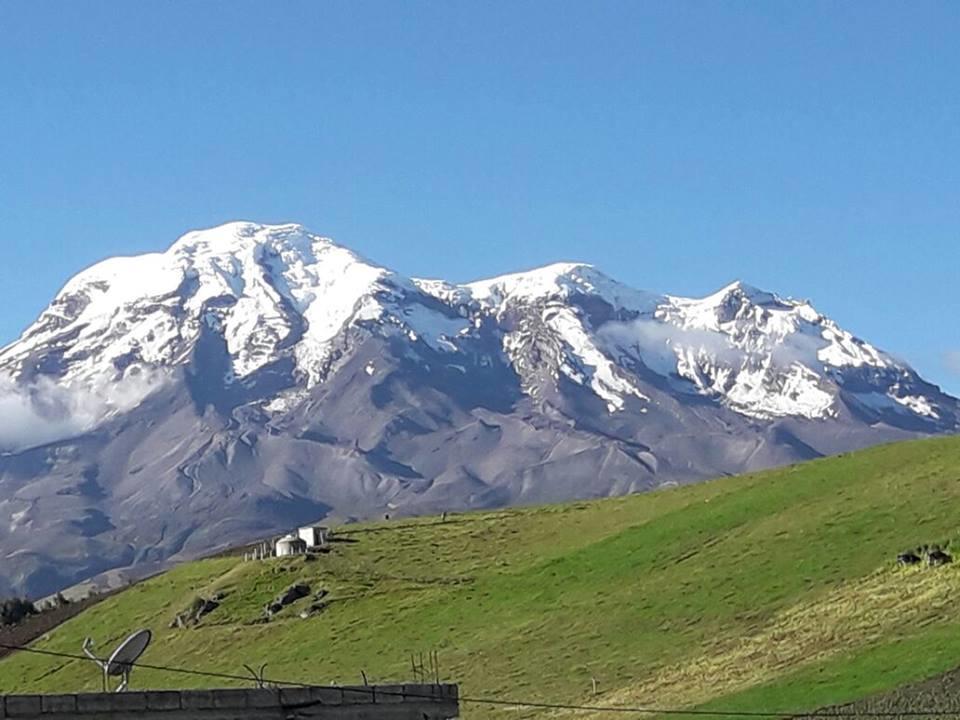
column 254, row 376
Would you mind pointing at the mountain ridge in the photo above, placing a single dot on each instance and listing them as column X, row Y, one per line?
column 254, row 376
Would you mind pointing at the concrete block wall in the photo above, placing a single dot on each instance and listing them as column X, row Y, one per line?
column 372, row 702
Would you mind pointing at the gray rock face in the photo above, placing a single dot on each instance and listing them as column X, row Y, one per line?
column 253, row 378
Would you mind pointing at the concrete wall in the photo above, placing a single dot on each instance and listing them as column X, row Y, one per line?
column 375, row 702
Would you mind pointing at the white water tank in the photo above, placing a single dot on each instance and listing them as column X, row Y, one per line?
column 290, row 545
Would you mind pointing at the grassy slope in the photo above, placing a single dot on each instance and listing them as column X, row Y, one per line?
column 773, row 590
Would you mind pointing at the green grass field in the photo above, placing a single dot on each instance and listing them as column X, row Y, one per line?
column 772, row 591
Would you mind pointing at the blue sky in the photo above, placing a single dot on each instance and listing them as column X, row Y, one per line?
column 808, row 148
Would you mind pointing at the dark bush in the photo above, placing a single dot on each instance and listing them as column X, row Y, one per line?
column 13, row 610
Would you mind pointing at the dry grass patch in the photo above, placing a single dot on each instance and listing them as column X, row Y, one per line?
column 855, row 614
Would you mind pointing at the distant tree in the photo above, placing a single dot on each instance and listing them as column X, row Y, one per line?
column 13, row 610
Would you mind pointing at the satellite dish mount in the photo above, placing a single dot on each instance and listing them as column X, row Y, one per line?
column 121, row 662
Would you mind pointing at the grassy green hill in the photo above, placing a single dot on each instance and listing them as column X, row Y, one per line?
column 776, row 590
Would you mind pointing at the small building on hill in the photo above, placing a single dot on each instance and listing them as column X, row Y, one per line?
column 314, row 535
column 290, row 545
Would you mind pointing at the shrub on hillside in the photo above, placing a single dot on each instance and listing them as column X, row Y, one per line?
column 13, row 610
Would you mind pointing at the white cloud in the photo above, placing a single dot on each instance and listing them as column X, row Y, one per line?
column 951, row 360
column 651, row 333
column 45, row 411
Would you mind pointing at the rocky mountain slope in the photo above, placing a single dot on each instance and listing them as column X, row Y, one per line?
column 253, row 377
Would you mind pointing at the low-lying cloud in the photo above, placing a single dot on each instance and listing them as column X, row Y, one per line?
column 656, row 341
column 45, row 411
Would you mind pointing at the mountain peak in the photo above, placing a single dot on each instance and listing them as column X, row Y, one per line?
column 560, row 281
column 741, row 290
column 538, row 280
column 241, row 236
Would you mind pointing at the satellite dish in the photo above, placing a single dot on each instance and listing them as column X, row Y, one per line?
column 128, row 653
column 121, row 662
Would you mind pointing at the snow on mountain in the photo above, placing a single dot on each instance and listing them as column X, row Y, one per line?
column 763, row 355
column 559, row 281
column 265, row 288
column 282, row 292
